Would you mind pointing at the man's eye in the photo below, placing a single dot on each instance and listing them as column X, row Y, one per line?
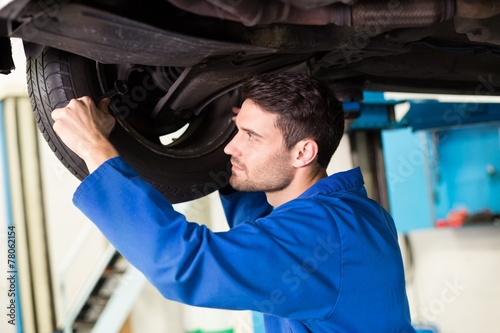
column 251, row 137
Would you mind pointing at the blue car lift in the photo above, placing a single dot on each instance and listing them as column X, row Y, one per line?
column 374, row 112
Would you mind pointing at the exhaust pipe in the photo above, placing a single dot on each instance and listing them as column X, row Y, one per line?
column 254, row 12
column 386, row 14
column 400, row 14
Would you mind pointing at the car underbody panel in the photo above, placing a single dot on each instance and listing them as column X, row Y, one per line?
column 396, row 45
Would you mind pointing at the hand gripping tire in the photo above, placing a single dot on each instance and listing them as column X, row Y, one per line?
column 191, row 168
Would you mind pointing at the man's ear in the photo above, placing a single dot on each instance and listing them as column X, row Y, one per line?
column 304, row 153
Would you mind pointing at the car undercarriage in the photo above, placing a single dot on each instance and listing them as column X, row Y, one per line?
column 184, row 61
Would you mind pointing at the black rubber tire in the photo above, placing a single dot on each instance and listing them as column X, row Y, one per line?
column 55, row 77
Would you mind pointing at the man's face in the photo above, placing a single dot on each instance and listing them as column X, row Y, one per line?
column 259, row 159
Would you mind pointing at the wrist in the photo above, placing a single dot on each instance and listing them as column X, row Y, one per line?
column 97, row 154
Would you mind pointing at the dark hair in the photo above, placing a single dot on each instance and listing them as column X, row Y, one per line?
column 306, row 108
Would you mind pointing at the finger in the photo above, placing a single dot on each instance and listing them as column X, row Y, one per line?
column 103, row 105
column 86, row 100
column 57, row 114
column 73, row 102
column 235, row 110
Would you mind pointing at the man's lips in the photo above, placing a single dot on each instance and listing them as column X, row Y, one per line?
column 235, row 166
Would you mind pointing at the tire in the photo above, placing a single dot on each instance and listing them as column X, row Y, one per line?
column 192, row 167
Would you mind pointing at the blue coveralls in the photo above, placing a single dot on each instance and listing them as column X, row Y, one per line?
column 328, row 261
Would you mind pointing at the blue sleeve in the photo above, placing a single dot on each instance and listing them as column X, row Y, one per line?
column 242, row 207
column 251, row 266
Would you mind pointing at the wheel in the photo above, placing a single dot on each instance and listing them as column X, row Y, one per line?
column 180, row 153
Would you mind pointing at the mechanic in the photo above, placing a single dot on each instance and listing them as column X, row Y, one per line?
column 310, row 251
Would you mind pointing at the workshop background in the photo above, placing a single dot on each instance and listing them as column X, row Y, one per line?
column 435, row 167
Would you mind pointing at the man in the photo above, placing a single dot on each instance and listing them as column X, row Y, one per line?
column 323, row 258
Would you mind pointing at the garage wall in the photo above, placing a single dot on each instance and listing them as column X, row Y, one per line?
column 453, row 277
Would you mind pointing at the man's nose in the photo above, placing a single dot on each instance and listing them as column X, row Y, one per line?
column 231, row 147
